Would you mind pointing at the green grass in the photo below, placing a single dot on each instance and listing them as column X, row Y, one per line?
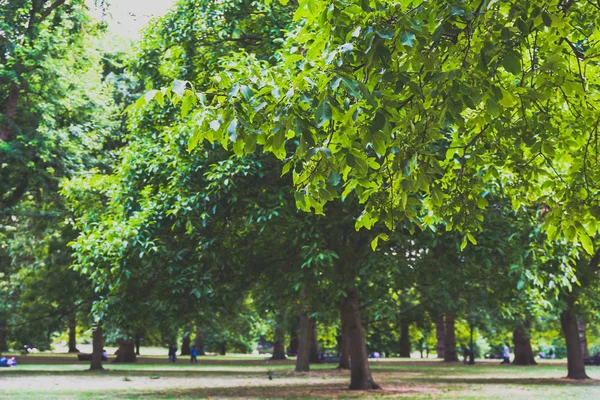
column 243, row 378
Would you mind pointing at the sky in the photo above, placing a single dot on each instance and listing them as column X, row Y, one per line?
column 127, row 17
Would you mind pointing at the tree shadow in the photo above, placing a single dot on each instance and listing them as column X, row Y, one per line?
column 508, row 381
column 288, row 391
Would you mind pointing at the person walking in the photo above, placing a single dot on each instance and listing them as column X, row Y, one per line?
column 194, row 355
column 506, row 354
column 466, row 354
column 172, row 353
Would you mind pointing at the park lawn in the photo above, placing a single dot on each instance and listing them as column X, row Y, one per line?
column 232, row 378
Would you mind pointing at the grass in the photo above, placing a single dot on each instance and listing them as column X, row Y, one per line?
column 239, row 377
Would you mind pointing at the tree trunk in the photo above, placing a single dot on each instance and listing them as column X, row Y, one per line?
column 440, row 335
column 450, row 353
column 568, row 321
column 73, row 333
column 279, row 345
column 523, row 350
column 126, row 351
column 471, row 347
column 199, row 342
column 304, row 339
column 314, row 343
column 11, row 111
column 137, row 341
column 405, row 340
column 583, row 338
column 97, row 348
column 361, row 378
column 185, row 345
column 345, row 343
column 3, row 341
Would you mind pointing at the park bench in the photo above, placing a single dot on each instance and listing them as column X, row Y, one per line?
column 592, row 360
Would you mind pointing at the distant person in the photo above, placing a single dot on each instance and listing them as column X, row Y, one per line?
column 551, row 354
column 104, row 355
column 506, row 354
column 466, row 354
column 172, row 353
column 194, row 355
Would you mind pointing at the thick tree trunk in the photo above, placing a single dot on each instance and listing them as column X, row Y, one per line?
column 314, row 342
column 279, row 345
column 440, row 335
column 345, row 343
column 568, row 321
column 450, row 353
column 361, row 378
column 304, row 339
column 583, row 338
column 73, row 333
column 185, row 345
column 126, row 351
column 97, row 348
column 3, row 340
column 522, row 345
column 199, row 342
column 14, row 93
column 405, row 340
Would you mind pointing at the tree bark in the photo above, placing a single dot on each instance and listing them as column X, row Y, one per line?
column 568, row 321
column 583, row 338
column 137, row 341
column 97, row 348
column 73, row 333
column 3, row 340
column 14, row 93
column 440, row 335
column 450, row 353
column 314, row 343
column 522, row 345
column 345, row 342
column 360, row 373
column 199, row 342
column 185, row 345
column 304, row 339
column 279, row 345
column 126, row 351
column 405, row 340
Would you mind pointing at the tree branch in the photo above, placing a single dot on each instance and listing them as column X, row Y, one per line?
column 51, row 8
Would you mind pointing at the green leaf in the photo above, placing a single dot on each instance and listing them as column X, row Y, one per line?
column 186, row 105
column 512, row 62
column 387, row 33
column 323, row 113
column 179, row 87
column 547, row 19
column 351, row 85
column 471, row 239
column 232, row 130
column 586, row 242
column 407, row 38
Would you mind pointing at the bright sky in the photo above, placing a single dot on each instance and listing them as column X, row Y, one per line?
column 127, row 17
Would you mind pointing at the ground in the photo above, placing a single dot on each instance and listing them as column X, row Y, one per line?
column 48, row 376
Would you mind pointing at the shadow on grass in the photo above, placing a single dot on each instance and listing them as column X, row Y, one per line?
column 14, row 372
column 299, row 391
column 507, row 381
